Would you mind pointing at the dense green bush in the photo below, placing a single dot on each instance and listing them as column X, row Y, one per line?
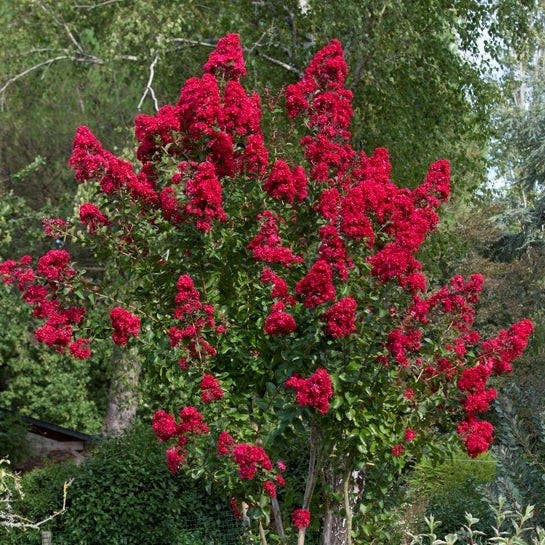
column 124, row 495
column 13, row 443
column 449, row 490
column 43, row 496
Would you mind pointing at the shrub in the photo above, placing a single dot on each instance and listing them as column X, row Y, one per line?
column 125, row 495
column 448, row 490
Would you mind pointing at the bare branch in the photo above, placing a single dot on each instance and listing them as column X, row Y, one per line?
column 149, row 88
column 251, row 51
column 258, row 43
column 10, row 491
column 211, row 44
column 60, row 21
column 22, row 74
column 19, row 54
column 284, row 65
column 99, row 5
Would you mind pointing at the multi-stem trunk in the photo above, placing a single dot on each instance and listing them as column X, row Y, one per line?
column 347, row 484
column 123, row 394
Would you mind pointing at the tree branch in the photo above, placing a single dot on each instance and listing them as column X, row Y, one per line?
column 311, row 475
column 149, row 88
column 277, row 518
column 99, row 5
column 31, row 69
column 61, row 22
column 250, row 51
column 284, row 65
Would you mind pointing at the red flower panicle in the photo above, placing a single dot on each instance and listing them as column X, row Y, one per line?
column 315, row 390
column 279, row 322
column 225, row 444
column 340, row 318
column 227, row 59
column 286, row 184
column 80, row 349
column 210, row 389
column 317, row 286
column 192, row 422
column 54, row 265
column 205, row 197
column 53, row 227
column 300, row 518
column 267, row 244
column 124, row 324
column 91, row 216
column 250, row 459
column 477, row 435
column 164, row 425
column 174, row 458
column 270, row 489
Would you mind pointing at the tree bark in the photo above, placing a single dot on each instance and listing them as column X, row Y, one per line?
column 348, row 485
column 123, row 395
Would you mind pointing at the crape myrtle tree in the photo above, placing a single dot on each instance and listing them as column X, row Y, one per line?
column 272, row 291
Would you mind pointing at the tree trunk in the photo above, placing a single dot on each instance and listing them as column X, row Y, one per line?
column 123, row 395
column 337, row 527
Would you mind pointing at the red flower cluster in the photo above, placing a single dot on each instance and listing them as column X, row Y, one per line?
column 54, row 265
column 317, row 286
column 125, row 325
column 165, row 427
column 477, row 434
column 193, row 316
column 340, row 317
column 496, row 357
column 333, row 250
column 300, row 518
column 205, row 199
column 279, row 322
column 80, row 349
column 457, row 298
column 210, row 389
column 280, row 289
column 322, row 97
column 39, row 289
column 192, row 421
column 267, row 244
column 400, row 342
column 286, row 184
column 91, row 216
column 315, row 390
column 225, row 444
column 227, row 59
column 250, row 459
column 53, row 227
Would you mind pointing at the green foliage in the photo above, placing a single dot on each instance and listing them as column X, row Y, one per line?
column 124, row 494
column 39, row 496
column 449, row 490
column 520, row 453
column 33, row 382
column 13, row 442
column 416, row 91
column 511, row 527
column 48, row 385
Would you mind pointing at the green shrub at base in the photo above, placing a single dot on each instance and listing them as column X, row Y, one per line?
column 124, row 495
column 450, row 490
